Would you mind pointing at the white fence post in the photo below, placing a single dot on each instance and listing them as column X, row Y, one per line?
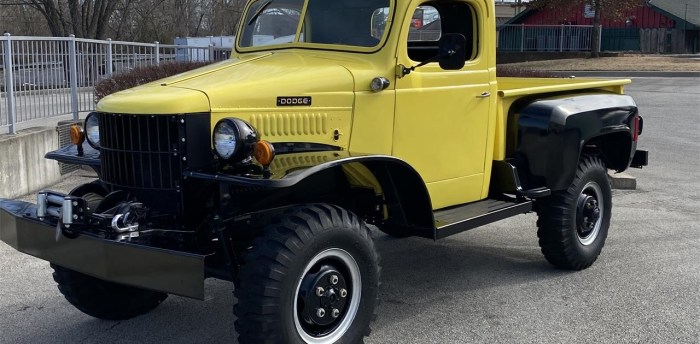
column 9, row 83
column 522, row 37
column 73, row 61
column 110, row 67
column 561, row 39
column 211, row 52
column 157, row 47
column 600, row 39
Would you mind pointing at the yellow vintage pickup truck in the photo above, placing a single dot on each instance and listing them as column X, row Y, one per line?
column 266, row 169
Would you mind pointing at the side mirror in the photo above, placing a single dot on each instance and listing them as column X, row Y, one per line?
column 452, row 49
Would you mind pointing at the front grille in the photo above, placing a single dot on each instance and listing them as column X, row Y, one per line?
column 142, row 151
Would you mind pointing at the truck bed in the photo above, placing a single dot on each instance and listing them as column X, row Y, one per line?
column 514, row 87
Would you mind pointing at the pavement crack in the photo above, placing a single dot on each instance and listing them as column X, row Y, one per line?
column 103, row 331
column 23, row 308
column 112, row 327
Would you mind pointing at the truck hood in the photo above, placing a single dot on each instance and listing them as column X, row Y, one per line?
column 235, row 85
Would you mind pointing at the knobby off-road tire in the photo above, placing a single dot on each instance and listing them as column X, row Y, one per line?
column 102, row 299
column 311, row 257
column 93, row 200
column 573, row 223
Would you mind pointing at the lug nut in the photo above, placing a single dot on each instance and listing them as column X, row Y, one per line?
column 335, row 313
column 320, row 312
column 334, row 279
column 320, row 291
column 343, row 293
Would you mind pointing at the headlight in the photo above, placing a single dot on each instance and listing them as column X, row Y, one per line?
column 92, row 130
column 234, row 139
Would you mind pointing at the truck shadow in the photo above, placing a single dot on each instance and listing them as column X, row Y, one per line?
column 417, row 274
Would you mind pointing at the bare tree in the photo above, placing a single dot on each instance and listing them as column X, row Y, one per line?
column 21, row 18
column 608, row 9
column 131, row 20
column 82, row 18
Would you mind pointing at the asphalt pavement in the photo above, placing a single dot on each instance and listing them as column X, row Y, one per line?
column 488, row 285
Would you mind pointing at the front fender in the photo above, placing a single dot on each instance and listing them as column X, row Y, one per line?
column 69, row 155
column 402, row 189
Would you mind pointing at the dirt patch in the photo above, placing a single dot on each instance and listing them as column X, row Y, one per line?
column 622, row 63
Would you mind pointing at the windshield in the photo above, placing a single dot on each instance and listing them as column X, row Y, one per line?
column 340, row 22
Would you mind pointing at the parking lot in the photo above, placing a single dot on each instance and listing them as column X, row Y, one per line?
column 489, row 285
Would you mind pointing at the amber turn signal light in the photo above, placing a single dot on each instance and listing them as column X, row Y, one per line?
column 77, row 135
column 264, row 152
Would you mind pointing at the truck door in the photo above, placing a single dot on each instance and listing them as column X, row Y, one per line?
column 441, row 118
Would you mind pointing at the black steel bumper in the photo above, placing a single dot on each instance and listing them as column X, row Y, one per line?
column 640, row 159
column 169, row 271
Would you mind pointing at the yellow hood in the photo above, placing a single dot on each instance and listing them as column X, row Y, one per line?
column 234, row 85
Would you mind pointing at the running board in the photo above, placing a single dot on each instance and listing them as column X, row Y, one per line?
column 461, row 218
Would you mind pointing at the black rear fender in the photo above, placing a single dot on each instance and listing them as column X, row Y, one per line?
column 547, row 136
column 615, row 149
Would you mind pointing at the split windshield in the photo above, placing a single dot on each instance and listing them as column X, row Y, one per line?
column 341, row 22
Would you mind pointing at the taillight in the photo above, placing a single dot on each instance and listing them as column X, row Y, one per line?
column 637, row 129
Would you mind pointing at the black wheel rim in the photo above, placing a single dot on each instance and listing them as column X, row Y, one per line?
column 589, row 213
column 327, row 297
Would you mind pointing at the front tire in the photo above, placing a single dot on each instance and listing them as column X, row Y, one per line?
column 102, row 299
column 311, row 277
column 573, row 223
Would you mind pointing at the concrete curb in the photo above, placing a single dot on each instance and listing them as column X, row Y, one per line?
column 23, row 168
column 627, row 74
column 622, row 181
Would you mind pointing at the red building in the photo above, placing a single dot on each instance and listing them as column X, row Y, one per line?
column 659, row 26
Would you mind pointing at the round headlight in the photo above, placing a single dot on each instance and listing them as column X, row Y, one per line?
column 234, row 139
column 92, row 130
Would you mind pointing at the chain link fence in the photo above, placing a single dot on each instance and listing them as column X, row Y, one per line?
column 53, row 77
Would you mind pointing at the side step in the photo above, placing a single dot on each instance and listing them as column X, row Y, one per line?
column 461, row 218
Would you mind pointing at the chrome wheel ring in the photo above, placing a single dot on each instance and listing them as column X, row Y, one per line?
column 589, row 213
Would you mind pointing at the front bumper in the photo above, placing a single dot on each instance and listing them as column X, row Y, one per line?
column 152, row 268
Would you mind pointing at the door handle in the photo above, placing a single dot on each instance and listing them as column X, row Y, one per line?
column 484, row 95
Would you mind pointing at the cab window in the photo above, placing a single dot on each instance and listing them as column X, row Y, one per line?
column 346, row 22
column 269, row 23
column 339, row 22
column 433, row 19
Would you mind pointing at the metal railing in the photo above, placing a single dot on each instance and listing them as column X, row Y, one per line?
column 54, row 77
column 545, row 37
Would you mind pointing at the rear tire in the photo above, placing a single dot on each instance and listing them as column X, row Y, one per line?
column 102, row 299
column 573, row 223
column 289, row 275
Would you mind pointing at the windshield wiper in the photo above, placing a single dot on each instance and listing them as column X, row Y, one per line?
column 259, row 12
